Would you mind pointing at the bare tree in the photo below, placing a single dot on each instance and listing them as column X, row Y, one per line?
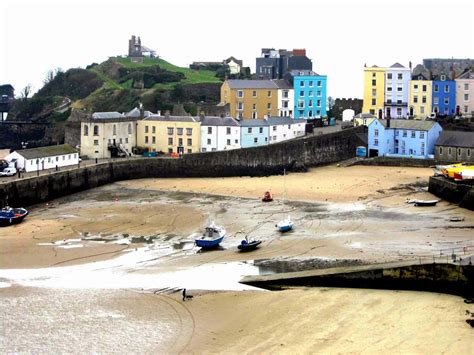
column 51, row 74
column 25, row 92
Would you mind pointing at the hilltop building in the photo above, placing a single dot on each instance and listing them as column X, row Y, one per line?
column 136, row 51
column 277, row 63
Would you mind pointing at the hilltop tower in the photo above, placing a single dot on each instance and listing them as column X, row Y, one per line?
column 135, row 47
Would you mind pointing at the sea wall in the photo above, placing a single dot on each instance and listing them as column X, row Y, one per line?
column 406, row 162
column 294, row 155
column 445, row 278
column 452, row 191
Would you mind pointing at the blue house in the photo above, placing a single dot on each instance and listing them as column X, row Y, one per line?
column 403, row 138
column 253, row 133
column 444, row 95
column 310, row 94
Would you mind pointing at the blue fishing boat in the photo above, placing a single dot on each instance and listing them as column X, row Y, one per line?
column 211, row 237
column 9, row 216
column 285, row 225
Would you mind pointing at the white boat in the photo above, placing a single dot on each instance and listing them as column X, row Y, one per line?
column 464, row 175
column 285, row 225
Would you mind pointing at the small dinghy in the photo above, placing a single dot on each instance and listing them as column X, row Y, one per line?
column 9, row 216
column 285, row 225
column 211, row 237
column 267, row 197
column 246, row 245
column 425, row 203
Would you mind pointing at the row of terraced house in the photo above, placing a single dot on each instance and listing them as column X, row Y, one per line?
column 400, row 92
column 111, row 134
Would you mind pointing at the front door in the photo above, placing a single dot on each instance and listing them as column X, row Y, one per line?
column 380, row 114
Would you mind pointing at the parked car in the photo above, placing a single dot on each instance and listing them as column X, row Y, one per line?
column 8, row 172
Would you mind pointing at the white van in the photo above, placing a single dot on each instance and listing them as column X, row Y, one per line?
column 8, row 172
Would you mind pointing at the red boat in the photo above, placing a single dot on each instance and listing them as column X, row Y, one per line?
column 267, row 197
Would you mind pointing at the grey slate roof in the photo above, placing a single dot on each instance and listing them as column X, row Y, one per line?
column 397, row 65
column 274, row 121
column 304, row 72
column 107, row 115
column 252, row 84
column 467, row 75
column 283, row 84
column 135, row 113
column 456, row 139
column 44, row 152
column 420, row 70
column 418, row 125
column 172, row 118
column 218, row 121
column 254, row 123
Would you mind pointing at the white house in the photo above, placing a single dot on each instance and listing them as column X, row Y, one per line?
column 286, row 98
column 235, row 65
column 284, row 128
column 219, row 133
column 43, row 158
column 397, row 79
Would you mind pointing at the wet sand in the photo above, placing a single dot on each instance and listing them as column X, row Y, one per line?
column 104, row 251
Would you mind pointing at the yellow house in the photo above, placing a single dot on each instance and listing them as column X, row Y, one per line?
column 250, row 98
column 169, row 134
column 419, row 100
column 374, row 91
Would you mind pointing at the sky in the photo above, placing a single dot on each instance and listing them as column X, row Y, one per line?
column 339, row 36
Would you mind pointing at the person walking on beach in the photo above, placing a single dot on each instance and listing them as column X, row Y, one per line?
column 184, row 294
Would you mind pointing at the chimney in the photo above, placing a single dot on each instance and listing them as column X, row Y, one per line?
column 167, row 113
column 409, row 64
column 158, row 112
column 142, row 111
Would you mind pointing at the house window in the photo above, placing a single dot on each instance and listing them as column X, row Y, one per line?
column 424, row 88
column 389, row 75
column 209, row 130
column 255, row 140
column 301, row 93
column 446, row 88
column 466, row 109
column 376, row 142
column 96, row 142
column 285, row 94
column 170, row 141
column 96, row 130
column 228, row 130
column 240, row 93
column 86, row 130
column 318, row 103
column 269, row 93
column 189, row 131
column 254, row 93
column 269, row 106
column 208, row 142
column 114, row 129
column 422, row 109
column 311, row 84
column 170, row 130
column 254, row 114
column 180, row 142
column 228, row 142
column 466, row 86
column 449, row 150
column 170, row 150
column 179, row 131
column 126, row 140
column 249, row 130
column 373, row 75
column 300, row 104
column 310, row 113
column 146, row 139
column 190, row 141
column 389, row 88
column 400, row 76
column 153, row 140
column 436, row 88
column 413, row 134
column 274, row 128
column 443, row 77
column 129, row 128
column 446, row 100
column 466, row 97
column 240, row 105
column 440, row 150
column 319, row 83
column 415, row 88
column 146, row 129
column 310, row 93
column 301, row 84
column 415, row 99
column 374, row 82
column 374, row 102
column 435, row 100
column 319, row 93
column 153, row 129
column 469, row 152
column 422, row 134
column 399, row 88
column 260, row 130
column 423, row 99
column 310, row 103
column 376, row 133
column 404, row 133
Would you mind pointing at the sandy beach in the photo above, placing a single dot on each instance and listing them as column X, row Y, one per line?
column 124, row 251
